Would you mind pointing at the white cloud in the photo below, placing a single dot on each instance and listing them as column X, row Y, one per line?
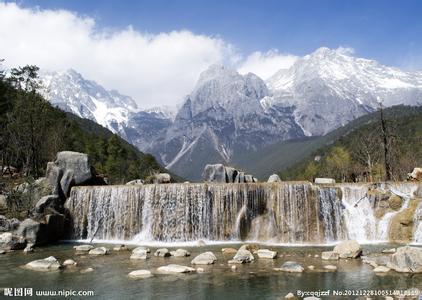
column 266, row 64
column 154, row 69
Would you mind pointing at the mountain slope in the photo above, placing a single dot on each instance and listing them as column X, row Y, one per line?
column 361, row 149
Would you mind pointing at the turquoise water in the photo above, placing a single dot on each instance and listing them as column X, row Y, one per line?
column 256, row 280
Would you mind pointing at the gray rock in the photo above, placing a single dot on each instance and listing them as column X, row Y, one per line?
column 348, row 249
column 231, row 174
column 46, row 201
column 29, row 248
column 54, row 174
column 266, row 253
column 249, row 178
column 330, row 267
column 3, row 201
column 9, row 241
column 406, row 259
column 274, row 178
column 2, row 251
column 243, row 256
column 120, row 248
column 8, row 224
column 206, row 258
column 291, row 267
column 229, row 250
column 98, row 251
column 240, row 178
column 161, row 178
column 46, row 264
column 330, row 255
column 47, row 230
column 67, row 181
column 214, row 173
column 140, row 274
column 78, row 163
column 83, row 248
column 139, row 253
column 381, row 269
column 181, row 253
column 69, row 263
column 172, row 268
column 162, row 252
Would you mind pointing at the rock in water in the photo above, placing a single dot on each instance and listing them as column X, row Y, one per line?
column 181, row 253
column 140, row 274
column 139, row 253
column 69, row 263
column 265, row 253
column 330, row 267
column 120, row 248
column 407, row 260
column 348, row 249
column 291, row 267
column 9, row 241
column 98, row 251
column 46, row 264
column 83, row 248
column 330, row 255
column 206, row 258
column 163, row 252
column 175, row 269
column 274, row 178
column 242, row 256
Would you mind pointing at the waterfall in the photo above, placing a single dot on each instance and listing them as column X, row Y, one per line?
column 287, row 212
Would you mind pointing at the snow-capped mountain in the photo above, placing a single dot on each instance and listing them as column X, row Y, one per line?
column 331, row 87
column 69, row 91
column 227, row 113
column 222, row 115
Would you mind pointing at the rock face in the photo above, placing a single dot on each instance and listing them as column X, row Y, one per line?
column 222, row 174
column 330, row 255
column 291, row 267
column 406, row 259
column 46, row 264
column 206, row 258
column 140, row 274
column 348, row 249
column 242, row 256
column 324, row 181
column 265, row 253
column 172, row 268
column 49, row 228
column 274, row 178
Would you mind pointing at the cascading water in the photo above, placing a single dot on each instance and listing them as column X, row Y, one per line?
column 288, row 212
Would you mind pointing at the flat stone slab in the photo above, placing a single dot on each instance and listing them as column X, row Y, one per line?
column 140, row 274
column 172, row 268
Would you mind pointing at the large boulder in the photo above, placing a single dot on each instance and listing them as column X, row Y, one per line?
column 180, row 253
column 50, row 201
column 46, row 264
column 48, row 229
column 406, row 259
column 214, row 173
column 274, row 178
column 139, row 253
column 206, row 258
column 348, row 249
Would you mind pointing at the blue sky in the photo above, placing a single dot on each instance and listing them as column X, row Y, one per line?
column 154, row 51
column 389, row 31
